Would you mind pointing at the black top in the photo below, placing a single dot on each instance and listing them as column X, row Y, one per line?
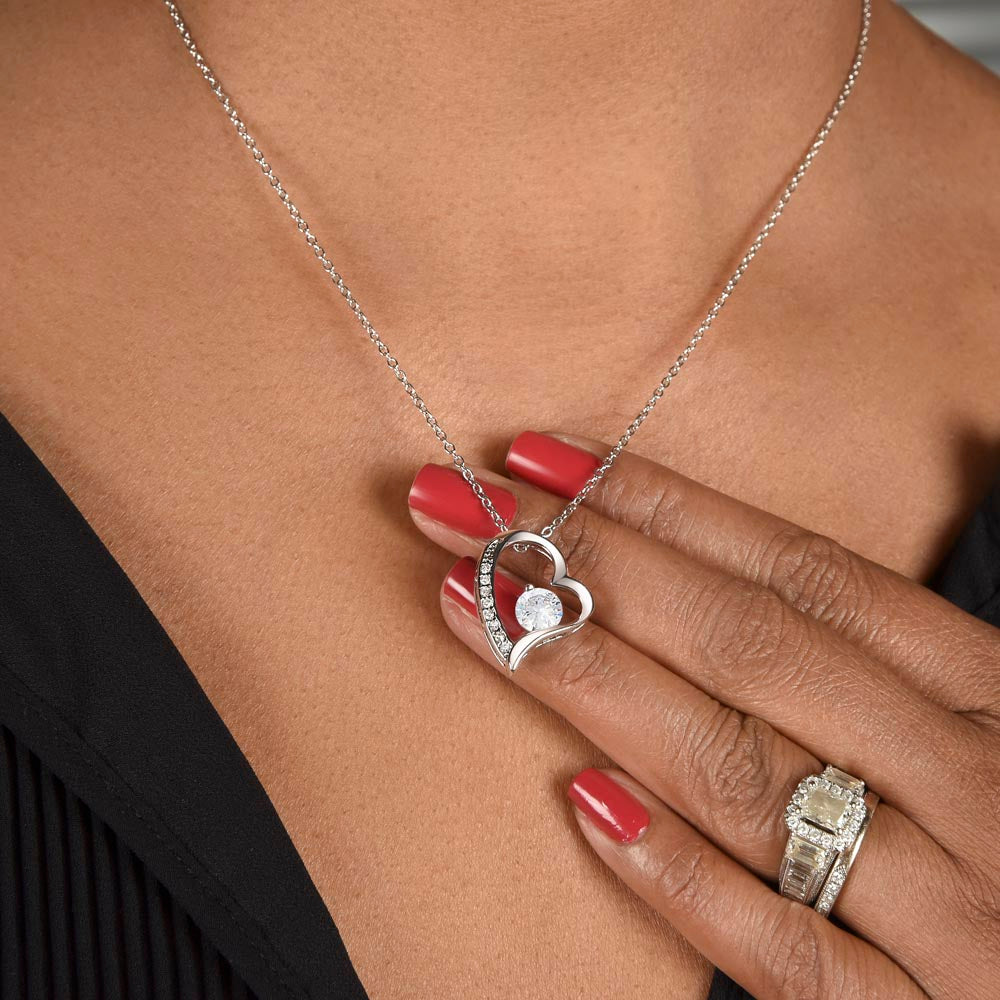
column 139, row 854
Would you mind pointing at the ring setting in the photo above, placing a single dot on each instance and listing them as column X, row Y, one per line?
column 827, row 819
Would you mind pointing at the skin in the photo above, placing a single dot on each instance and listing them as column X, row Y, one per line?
column 736, row 653
column 172, row 355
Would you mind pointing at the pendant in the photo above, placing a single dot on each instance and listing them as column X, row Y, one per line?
column 538, row 610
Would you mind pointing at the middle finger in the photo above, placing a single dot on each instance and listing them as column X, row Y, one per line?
column 737, row 641
column 729, row 774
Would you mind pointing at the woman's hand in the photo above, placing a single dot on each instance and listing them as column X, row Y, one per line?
column 732, row 654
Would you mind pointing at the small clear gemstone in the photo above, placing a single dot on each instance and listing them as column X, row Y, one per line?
column 538, row 608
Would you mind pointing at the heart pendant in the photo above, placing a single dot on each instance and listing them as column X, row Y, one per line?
column 543, row 605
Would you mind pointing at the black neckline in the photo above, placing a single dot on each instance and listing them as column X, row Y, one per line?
column 94, row 686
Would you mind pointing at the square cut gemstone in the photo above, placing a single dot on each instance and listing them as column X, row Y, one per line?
column 824, row 809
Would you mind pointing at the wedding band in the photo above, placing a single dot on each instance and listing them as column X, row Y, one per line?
column 838, row 874
column 827, row 819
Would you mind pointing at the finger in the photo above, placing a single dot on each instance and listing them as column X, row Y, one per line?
column 775, row 949
column 746, row 648
column 729, row 775
column 951, row 656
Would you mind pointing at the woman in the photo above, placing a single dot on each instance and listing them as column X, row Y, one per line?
column 536, row 205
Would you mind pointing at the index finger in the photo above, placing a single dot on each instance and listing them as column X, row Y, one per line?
column 952, row 657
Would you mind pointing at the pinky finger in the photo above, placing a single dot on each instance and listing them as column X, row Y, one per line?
column 774, row 948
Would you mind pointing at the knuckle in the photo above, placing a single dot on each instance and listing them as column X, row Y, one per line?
column 817, row 576
column 981, row 763
column 736, row 624
column 800, row 967
column 587, row 541
column 976, row 660
column 979, row 901
column 586, row 666
column 682, row 879
column 733, row 774
column 655, row 508
column 646, row 501
column 969, row 754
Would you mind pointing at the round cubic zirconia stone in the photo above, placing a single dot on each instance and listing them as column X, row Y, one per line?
column 538, row 608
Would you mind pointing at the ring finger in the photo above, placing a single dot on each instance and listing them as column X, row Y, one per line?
column 729, row 774
column 737, row 641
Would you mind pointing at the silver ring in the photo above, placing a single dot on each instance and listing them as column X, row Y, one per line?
column 827, row 819
column 838, row 874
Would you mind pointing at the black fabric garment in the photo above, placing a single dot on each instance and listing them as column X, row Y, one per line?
column 80, row 914
column 139, row 855
column 136, row 837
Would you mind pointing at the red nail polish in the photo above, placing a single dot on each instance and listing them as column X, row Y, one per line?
column 551, row 465
column 460, row 586
column 442, row 493
column 613, row 809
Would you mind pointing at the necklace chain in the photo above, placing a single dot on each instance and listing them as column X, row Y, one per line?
column 394, row 365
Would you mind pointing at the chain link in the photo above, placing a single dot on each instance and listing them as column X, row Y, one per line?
column 383, row 349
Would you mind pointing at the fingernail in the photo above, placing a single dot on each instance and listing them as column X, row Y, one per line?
column 550, row 464
column 615, row 811
column 441, row 493
column 460, row 586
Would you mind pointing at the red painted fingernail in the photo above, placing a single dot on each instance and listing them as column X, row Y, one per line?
column 460, row 586
column 613, row 809
column 442, row 493
column 551, row 465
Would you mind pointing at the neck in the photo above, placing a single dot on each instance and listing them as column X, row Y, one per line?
column 522, row 65
column 480, row 143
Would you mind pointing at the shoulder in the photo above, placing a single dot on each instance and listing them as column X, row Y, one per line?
column 932, row 132
column 925, row 219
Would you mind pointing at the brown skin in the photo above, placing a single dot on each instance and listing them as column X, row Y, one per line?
column 737, row 653
column 172, row 354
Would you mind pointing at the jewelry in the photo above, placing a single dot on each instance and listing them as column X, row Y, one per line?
column 501, row 644
column 538, row 610
column 826, row 819
column 838, row 874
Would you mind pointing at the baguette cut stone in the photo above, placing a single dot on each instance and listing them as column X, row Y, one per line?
column 538, row 608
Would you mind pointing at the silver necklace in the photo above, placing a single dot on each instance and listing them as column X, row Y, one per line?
column 508, row 650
